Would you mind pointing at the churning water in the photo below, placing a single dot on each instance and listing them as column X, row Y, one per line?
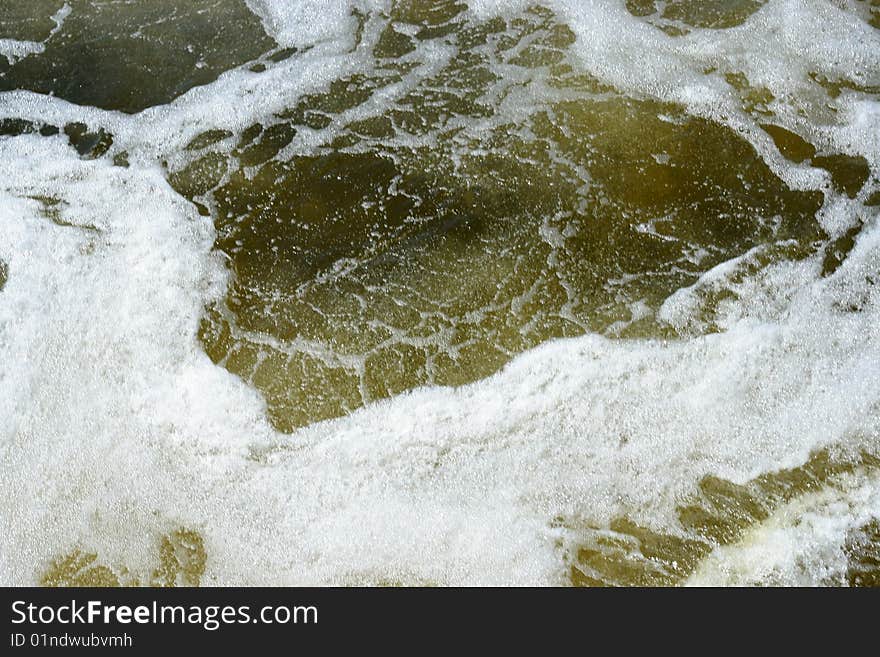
column 440, row 292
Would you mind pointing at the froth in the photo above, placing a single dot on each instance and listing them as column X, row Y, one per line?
column 307, row 22
column 805, row 543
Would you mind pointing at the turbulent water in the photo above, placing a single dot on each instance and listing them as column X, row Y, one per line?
column 440, row 292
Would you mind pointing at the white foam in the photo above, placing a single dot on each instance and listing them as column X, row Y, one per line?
column 305, row 22
column 778, row 47
column 13, row 50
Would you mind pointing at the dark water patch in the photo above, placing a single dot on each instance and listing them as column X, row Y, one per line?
column 207, row 138
column 380, row 271
column 281, row 55
column 405, row 275
column 200, row 176
column 269, row 144
column 30, row 20
column 16, row 127
column 393, row 44
column 849, row 173
column 792, row 146
column 132, row 55
column 13, row 127
column 89, row 144
column 675, row 17
column 837, row 251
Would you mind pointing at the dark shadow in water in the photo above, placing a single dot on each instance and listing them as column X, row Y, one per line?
column 130, row 55
column 28, row 20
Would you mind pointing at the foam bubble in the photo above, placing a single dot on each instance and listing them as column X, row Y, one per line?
column 306, row 22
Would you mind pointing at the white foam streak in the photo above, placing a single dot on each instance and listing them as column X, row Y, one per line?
column 305, row 22
column 14, row 50
column 779, row 47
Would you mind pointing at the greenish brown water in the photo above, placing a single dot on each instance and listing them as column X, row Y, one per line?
column 369, row 268
column 863, row 552
column 122, row 55
column 675, row 16
column 28, row 21
column 180, row 557
column 721, row 514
